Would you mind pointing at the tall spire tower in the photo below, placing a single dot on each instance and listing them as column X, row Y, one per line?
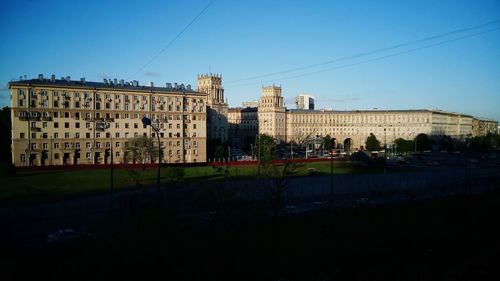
column 217, row 107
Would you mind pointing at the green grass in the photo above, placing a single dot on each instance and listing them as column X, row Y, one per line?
column 42, row 185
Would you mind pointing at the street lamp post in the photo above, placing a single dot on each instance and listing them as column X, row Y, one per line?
column 385, row 143
column 146, row 121
column 258, row 156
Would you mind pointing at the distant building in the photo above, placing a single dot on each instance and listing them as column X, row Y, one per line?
column 483, row 126
column 351, row 128
column 217, row 108
column 250, row 104
column 304, row 102
column 243, row 126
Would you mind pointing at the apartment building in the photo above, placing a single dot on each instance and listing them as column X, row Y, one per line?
column 351, row 128
column 64, row 122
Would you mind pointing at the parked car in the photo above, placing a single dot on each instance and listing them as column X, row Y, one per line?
column 66, row 234
column 313, row 171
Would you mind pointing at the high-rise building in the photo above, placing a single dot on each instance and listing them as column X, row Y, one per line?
column 272, row 112
column 62, row 121
column 217, row 108
column 304, row 102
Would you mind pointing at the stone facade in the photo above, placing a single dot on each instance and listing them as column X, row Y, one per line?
column 351, row 128
column 481, row 127
column 243, row 126
column 217, row 108
column 57, row 122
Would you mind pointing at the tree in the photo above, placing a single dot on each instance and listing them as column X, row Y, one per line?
column 141, row 150
column 403, row 146
column 5, row 135
column 372, row 144
column 423, row 142
column 327, row 141
column 447, row 143
column 265, row 147
column 280, row 174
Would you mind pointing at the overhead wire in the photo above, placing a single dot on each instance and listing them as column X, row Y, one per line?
column 172, row 41
column 396, row 46
column 370, row 60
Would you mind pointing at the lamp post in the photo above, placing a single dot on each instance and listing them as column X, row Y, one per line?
column 385, row 143
column 260, row 151
column 258, row 156
column 146, row 121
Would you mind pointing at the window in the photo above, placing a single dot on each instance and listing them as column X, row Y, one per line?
column 56, row 145
column 66, row 135
column 117, row 135
column 117, row 144
column 23, row 157
column 66, row 124
column 77, row 135
column 87, row 144
column 66, row 114
column 22, row 136
column 77, row 125
column 67, row 145
column 45, row 146
column 87, row 135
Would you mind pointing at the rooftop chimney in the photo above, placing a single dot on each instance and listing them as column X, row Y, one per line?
column 115, row 81
column 152, row 84
column 82, row 80
column 105, row 81
column 68, row 78
column 169, row 85
column 40, row 77
column 52, row 78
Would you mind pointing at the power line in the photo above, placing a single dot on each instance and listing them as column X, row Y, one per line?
column 397, row 46
column 173, row 40
column 372, row 60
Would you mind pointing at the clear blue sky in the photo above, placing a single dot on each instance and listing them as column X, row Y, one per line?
column 242, row 39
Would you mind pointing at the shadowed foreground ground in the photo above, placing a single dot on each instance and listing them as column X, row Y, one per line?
column 445, row 239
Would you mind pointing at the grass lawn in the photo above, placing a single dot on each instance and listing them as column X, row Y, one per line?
column 53, row 184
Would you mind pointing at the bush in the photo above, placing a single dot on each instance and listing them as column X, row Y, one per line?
column 174, row 174
column 361, row 158
column 379, row 161
column 7, row 169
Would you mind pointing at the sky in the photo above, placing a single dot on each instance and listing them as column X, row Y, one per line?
column 348, row 54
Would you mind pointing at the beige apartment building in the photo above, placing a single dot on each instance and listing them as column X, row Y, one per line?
column 61, row 121
column 243, row 126
column 482, row 126
column 351, row 128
